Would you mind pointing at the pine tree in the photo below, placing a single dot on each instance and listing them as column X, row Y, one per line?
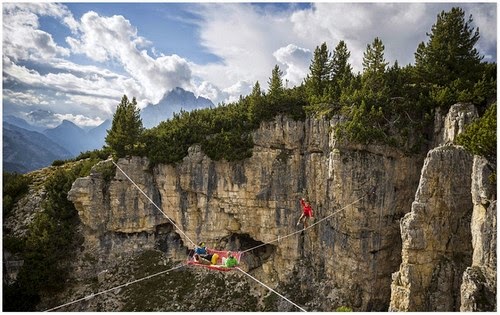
column 124, row 137
column 374, row 68
column 256, row 104
column 480, row 137
column 275, row 93
column 276, row 83
column 341, row 69
column 449, row 54
column 320, row 73
column 373, row 60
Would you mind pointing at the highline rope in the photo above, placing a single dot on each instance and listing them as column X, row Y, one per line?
column 114, row 288
column 300, row 231
column 159, row 209
column 294, row 304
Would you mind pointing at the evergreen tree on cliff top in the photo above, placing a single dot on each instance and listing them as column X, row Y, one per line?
column 275, row 94
column 320, row 74
column 124, row 137
column 374, row 89
column 449, row 55
column 341, row 69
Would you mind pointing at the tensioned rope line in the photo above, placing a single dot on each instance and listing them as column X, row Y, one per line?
column 303, row 310
column 299, row 231
column 117, row 287
column 130, row 179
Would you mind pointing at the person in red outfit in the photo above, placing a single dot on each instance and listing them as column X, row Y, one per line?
column 306, row 212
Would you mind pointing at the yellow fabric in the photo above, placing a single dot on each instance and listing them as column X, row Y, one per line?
column 214, row 259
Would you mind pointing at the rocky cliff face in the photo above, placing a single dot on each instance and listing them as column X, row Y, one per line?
column 478, row 289
column 453, row 213
column 347, row 259
column 239, row 205
column 434, row 251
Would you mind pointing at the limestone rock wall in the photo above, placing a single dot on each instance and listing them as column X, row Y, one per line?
column 449, row 237
column 239, row 204
column 392, row 216
column 436, row 233
column 478, row 290
column 449, row 126
column 117, row 218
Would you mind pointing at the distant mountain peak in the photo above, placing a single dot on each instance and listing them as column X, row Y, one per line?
column 68, row 123
column 172, row 102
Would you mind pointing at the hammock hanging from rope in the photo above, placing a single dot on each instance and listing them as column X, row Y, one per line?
column 216, row 263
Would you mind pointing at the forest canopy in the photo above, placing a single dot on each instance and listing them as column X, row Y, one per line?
column 384, row 104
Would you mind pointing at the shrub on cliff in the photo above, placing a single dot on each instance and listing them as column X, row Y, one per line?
column 15, row 186
column 480, row 137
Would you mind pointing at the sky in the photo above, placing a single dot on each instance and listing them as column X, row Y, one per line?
column 74, row 61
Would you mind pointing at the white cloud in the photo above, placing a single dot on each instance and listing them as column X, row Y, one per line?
column 80, row 120
column 239, row 88
column 245, row 39
column 42, row 118
column 25, row 98
column 208, row 90
column 90, row 105
column 114, row 38
column 22, row 39
column 250, row 41
column 400, row 26
column 62, row 82
column 296, row 62
column 55, row 10
column 31, row 101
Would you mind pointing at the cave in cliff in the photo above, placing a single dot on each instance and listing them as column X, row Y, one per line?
column 255, row 252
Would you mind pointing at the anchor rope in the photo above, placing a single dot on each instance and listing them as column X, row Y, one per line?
column 159, row 209
column 283, row 297
column 114, row 288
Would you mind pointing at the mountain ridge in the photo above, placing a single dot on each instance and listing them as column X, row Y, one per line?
column 172, row 102
column 25, row 150
column 75, row 139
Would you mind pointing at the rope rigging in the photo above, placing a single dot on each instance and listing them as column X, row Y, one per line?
column 114, row 288
column 300, row 231
column 182, row 232
column 303, row 310
column 150, row 200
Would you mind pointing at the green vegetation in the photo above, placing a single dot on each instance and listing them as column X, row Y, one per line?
column 448, row 65
column 15, row 186
column 124, row 137
column 480, row 137
column 386, row 104
column 223, row 132
column 50, row 243
column 343, row 309
column 95, row 155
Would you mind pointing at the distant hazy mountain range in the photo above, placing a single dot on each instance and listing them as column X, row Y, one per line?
column 25, row 150
column 27, row 147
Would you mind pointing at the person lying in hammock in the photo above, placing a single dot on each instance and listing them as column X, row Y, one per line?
column 200, row 249
column 230, row 261
column 210, row 259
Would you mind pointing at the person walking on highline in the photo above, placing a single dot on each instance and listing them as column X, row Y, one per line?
column 306, row 212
